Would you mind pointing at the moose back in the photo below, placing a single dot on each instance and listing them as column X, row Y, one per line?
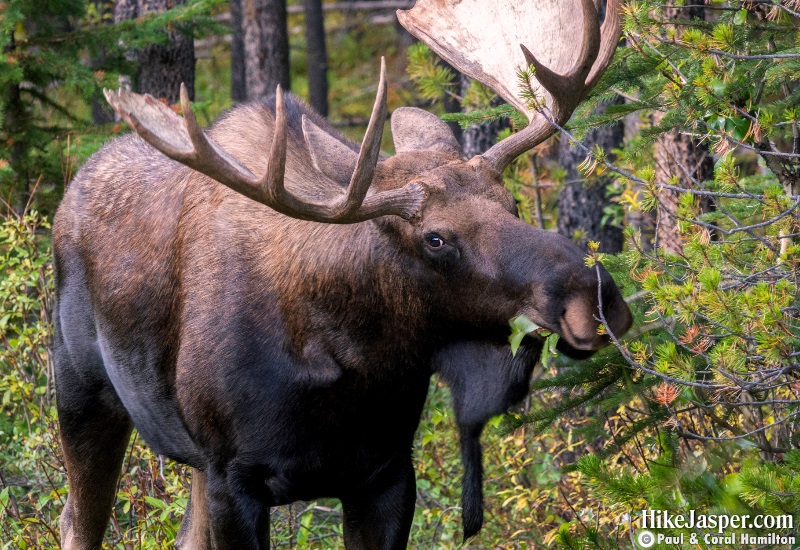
column 266, row 301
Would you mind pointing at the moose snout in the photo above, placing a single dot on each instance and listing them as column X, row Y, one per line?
column 581, row 318
column 579, row 325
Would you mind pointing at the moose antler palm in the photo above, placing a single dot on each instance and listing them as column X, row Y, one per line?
column 186, row 143
column 483, row 41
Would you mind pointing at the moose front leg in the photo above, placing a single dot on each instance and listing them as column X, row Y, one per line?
column 378, row 516
column 237, row 519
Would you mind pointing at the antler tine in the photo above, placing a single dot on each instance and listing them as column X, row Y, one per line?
column 184, row 141
column 352, row 207
column 610, row 33
column 273, row 180
column 370, row 150
column 566, row 91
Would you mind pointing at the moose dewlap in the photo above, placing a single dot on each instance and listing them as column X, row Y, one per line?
column 266, row 301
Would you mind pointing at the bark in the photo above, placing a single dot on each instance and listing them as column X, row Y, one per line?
column 451, row 103
column 678, row 158
column 786, row 169
column 582, row 201
column 681, row 159
column 317, row 57
column 12, row 128
column 266, row 46
column 238, row 82
column 161, row 68
column 102, row 113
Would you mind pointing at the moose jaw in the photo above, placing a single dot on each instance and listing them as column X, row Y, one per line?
column 273, row 320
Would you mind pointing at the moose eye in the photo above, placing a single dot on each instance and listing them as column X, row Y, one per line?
column 433, row 240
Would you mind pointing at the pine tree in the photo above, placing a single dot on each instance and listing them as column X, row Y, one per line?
column 47, row 88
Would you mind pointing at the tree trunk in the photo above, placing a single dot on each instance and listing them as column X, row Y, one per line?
column 266, row 46
column 238, row 82
column 317, row 57
column 102, row 113
column 450, row 102
column 161, row 67
column 582, row 201
column 17, row 120
column 678, row 158
column 478, row 138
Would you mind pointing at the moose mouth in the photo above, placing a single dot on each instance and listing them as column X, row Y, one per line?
column 576, row 353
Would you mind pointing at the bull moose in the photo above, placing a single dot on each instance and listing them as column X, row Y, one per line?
column 266, row 301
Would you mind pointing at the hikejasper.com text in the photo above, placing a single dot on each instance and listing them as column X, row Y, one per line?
column 664, row 519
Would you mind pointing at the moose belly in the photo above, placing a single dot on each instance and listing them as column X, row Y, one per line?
column 138, row 380
column 327, row 469
column 320, row 473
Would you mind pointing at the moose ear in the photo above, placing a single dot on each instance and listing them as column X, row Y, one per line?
column 417, row 130
column 330, row 156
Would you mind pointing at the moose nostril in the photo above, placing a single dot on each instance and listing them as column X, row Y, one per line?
column 579, row 326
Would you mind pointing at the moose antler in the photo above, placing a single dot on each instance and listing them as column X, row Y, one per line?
column 185, row 142
column 492, row 41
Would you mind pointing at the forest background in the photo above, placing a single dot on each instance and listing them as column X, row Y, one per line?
column 681, row 173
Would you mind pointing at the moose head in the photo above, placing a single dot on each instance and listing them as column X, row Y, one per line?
column 269, row 308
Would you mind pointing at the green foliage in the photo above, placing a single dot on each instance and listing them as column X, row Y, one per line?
column 55, row 58
column 432, row 79
column 28, row 486
column 703, row 409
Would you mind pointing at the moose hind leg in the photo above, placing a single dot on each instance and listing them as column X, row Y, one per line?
column 195, row 531
column 95, row 431
column 238, row 512
column 94, row 427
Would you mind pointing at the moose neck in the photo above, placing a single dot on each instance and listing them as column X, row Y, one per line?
column 356, row 300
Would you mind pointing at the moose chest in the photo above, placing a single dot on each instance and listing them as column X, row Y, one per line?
column 307, row 396
column 303, row 430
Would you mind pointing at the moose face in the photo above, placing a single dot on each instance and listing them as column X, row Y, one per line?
column 485, row 266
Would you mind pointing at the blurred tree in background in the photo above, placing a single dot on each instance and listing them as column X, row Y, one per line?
column 162, row 67
column 57, row 56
